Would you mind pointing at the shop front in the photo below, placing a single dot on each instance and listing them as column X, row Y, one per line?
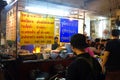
column 29, row 33
column 31, row 29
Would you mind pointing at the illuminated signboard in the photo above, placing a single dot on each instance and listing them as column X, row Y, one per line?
column 68, row 27
column 11, row 24
column 35, row 29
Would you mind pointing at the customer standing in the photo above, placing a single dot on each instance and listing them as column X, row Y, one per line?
column 111, row 56
column 84, row 67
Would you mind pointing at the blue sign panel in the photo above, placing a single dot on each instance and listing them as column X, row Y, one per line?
column 67, row 29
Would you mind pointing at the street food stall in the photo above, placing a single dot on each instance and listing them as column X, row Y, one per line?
column 26, row 40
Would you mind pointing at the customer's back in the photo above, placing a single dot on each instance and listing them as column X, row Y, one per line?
column 84, row 67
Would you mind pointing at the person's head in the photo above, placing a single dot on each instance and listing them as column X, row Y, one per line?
column 115, row 33
column 55, row 39
column 97, row 40
column 78, row 41
column 103, row 41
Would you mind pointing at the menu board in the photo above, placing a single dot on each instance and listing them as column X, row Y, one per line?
column 67, row 29
column 36, row 29
column 11, row 24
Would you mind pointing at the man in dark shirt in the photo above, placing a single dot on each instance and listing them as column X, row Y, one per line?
column 111, row 57
column 82, row 69
column 55, row 45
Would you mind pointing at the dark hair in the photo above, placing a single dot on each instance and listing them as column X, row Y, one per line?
column 55, row 37
column 115, row 32
column 78, row 41
column 103, row 40
column 97, row 40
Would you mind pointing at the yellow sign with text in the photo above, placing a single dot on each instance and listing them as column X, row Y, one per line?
column 35, row 29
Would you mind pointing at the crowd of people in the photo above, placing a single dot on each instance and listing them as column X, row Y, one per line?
column 87, row 65
column 96, row 59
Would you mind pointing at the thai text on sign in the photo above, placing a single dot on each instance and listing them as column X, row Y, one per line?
column 35, row 29
column 11, row 24
column 68, row 28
